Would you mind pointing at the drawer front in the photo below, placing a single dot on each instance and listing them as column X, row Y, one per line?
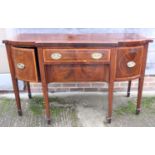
column 25, row 64
column 75, row 72
column 129, row 61
column 76, row 55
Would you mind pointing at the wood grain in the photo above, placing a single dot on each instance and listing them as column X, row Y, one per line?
column 125, row 55
column 76, row 56
column 72, row 73
column 27, row 58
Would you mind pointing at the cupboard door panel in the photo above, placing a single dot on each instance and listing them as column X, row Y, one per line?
column 129, row 62
column 25, row 64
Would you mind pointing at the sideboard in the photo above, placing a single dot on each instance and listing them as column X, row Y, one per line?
column 50, row 58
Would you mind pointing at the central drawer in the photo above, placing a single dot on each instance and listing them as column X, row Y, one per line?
column 76, row 55
column 76, row 72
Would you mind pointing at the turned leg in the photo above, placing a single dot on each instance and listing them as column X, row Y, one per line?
column 17, row 97
column 29, row 90
column 129, row 88
column 140, row 90
column 110, row 100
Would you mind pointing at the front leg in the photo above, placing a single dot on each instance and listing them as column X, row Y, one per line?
column 14, row 80
column 140, row 90
column 46, row 102
column 17, row 97
column 110, row 100
column 44, row 84
column 112, row 74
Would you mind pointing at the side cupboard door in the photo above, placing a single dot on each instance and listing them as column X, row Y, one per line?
column 25, row 64
column 129, row 62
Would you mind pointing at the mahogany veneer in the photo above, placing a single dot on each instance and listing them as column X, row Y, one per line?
column 49, row 58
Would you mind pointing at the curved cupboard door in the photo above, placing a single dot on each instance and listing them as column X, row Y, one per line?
column 129, row 62
column 25, row 64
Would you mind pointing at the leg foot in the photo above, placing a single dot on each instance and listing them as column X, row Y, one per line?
column 108, row 120
column 139, row 99
column 20, row 113
column 137, row 111
column 128, row 94
column 30, row 96
column 110, row 97
column 49, row 122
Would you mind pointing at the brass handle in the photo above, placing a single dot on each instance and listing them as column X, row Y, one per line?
column 96, row 55
column 56, row 56
column 131, row 64
column 20, row 66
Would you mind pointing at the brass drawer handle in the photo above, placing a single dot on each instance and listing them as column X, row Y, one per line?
column 20, row 66
column 56, row 56
column 96, row 55
column 131, row 64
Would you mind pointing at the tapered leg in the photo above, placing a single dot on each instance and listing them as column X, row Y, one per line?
column 112, row 74
column 14, row 80
column 44, row 84
column 110, row 100
column 129, row 88
column 46, row 102
column 17, row 97
column 139, row 99
column 29, row 90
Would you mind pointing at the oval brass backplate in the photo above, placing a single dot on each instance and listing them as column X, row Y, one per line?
column 96, row 55
column 56, row 56
column 20, row 66
column 131, row 64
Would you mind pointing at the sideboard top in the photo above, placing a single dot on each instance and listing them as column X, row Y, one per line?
column 106, row 38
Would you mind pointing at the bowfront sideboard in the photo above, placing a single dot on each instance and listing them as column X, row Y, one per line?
column 50, row 58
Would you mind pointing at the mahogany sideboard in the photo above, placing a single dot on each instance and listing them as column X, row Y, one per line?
column 50, row 58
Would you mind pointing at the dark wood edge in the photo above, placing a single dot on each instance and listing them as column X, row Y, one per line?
column 76, row 45
column 17, row 43
column 134, row 43
column 60, row 45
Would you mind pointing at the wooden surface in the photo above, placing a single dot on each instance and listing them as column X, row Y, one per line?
column 28, row 59
column 125, row 55
column 106, row 39
column 73, row 73
column 78, row 58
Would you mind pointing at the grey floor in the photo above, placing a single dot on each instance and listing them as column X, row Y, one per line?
column 77, row 110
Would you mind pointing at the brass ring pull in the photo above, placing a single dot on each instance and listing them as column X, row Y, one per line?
column 131, row 64
column 96, row 55
column 20, row 66
column 56, row 56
